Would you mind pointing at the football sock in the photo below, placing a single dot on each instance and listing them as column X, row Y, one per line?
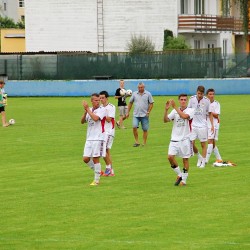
column 198, row 155
column 108, row 166
column 184, row 176
column 209, row 151
column 217, row 154
column 203, row 162
column 97, row 171
column 91, row 164
column 177, row 170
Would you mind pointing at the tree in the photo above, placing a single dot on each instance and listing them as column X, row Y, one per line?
column 6, row 22
column 140, row 44
column 176, row 43
column 167, row 33
column 244, row 10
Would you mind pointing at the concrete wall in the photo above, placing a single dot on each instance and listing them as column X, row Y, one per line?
column 12, row 40
column 68, row 25
column 71, row 25
column 156, row 87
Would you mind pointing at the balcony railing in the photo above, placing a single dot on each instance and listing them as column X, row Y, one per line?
column 209, row 23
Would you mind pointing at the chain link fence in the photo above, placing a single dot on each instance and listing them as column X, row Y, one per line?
column 203, row 63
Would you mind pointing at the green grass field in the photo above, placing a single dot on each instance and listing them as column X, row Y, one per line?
column 47, row 203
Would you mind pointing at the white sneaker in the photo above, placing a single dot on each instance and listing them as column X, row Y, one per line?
column 202, row 164
column 199, row 162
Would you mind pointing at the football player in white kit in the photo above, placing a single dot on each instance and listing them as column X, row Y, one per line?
column 201, row 104
column 109, row 131
column 212, row 137
column 180, row 143
column 95, row 140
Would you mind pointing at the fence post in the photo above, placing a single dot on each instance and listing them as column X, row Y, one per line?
column 21, row 67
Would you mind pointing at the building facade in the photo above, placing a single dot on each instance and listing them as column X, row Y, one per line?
column 210, row 24
column 14, row 9
column 96, row 25
column 107, row 26
column 12, row 40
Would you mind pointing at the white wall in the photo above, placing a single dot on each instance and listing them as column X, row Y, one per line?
column 11, row 11
column 71, row 25
column 66, row 25
column 135, row 17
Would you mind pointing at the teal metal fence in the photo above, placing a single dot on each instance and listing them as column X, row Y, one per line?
column 204, row 63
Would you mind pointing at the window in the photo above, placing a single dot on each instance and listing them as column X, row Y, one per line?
column 197, row 44
column 23, row 19
column 224, row 47
column 21, row 3
column 184, row 7
column 5, row 6
column 210, row 45
column 199, row 7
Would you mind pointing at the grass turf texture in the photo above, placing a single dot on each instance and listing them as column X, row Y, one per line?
column 47, row 203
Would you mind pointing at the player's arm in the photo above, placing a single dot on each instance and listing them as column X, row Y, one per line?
column 110, row 115
column 167, row 106
column 210, row 115
column 88, row 110
column 215, row 115
column 129, row 108
column 85, row 105
column 181, row 113
column 92, row 115
column 150, row 106
column 83, row 119
column 212, row 121
column 117, row 95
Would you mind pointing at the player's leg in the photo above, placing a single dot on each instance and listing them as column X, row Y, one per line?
column 135, row 130
column 184, row 174
column 87, row 153
column 122, row 112
column 172, row 151
column 203, row 153
column 217, row 153
column 203, row 136
column 98, row 150
column 97, row 171
column 185, row 153
column 125, row 111
column 193, row 137
column 209, row 149
column 211, row 136
column 4, row 123
column 118, row 123
column 215, row 148
column 108, row 160
column 145, row 127
column 196, row 152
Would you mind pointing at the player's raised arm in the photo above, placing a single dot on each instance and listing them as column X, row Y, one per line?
column 167, row 107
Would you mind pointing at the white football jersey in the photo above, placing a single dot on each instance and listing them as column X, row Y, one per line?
column 95, row 130
column 201, row 110
column 181, row 127
column 215, row 108
column 110, row 126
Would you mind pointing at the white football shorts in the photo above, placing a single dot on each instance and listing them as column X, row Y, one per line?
column 95, row 149
column 215, row 135
column 199, row 133
column 182, row 148
column 109, row 141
